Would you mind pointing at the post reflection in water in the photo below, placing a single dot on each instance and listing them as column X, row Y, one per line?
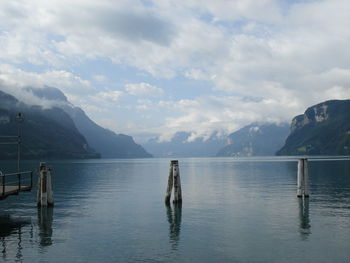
column 174, row 214
column 304, row 218
column 45, row 218
column 9, row 227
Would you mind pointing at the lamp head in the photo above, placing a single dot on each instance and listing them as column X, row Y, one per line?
column 19, row 117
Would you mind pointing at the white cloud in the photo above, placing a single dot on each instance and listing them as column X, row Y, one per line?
column 282, row 55
column 14, row 80
column 61, row 79
column 143, row 89
column 99, row 78
column 207, row 114
column 262, row 10
column 111, row 96
column 197, row 74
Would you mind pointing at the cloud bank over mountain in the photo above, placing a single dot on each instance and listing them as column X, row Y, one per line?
column 160, row 67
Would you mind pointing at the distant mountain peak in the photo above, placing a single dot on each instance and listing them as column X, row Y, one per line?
column 181, row 145
column 255, row 139
column 53, row 106
column 48, row 93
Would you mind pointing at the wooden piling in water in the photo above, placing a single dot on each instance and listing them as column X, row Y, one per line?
column 300, row 178
column 44, row 191
column 170, row 185
column 303, row 178
column 177, row 183
column 174, row 182
column 306, row 179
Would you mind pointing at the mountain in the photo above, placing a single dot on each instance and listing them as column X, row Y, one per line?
column 181, row 146
column 255, row 140
column 324, row 129
column 103, row 141
column 45, row 133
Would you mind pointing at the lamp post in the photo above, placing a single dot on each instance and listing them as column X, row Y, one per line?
column 19, row 119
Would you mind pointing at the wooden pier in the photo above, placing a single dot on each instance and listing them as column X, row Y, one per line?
column 12, row 184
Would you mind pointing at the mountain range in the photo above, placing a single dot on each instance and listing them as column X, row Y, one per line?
column 45, row 133
column 107, row 143
column 263, row 139
column 181, row 145
column 61, row 131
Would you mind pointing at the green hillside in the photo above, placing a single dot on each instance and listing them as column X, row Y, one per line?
column 324, row 129
column 46, row 133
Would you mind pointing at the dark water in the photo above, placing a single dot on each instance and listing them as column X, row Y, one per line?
column 113, row 211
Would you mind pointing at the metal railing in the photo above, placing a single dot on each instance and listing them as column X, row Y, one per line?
column 13, row 183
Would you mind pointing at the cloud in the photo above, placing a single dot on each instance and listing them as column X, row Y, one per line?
column 99, row 78
column 207, row 114
column 15, row 81
column 253, row 56
column 61, row 79
column 143, row 89
column 27, row 96
column 111, row 96
column 136, row 26
column 222, row 10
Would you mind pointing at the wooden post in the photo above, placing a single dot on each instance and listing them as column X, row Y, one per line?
column 44, row 192
column 306, row 179
column 174, row 182
column 43, row 188
column 303, row 178
column 170, row 185
column 177, row 183
column 300, row 178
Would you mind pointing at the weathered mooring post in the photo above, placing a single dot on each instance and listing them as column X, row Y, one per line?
column 177, row 183
column 170, row 184
column 303, row 178
column 44, row 192
column 174, row 182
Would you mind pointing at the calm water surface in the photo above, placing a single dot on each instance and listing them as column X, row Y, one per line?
column 232, row 211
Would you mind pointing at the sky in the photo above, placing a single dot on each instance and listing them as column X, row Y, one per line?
column 155, row 67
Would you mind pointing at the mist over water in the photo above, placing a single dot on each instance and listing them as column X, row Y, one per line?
column 232, row 211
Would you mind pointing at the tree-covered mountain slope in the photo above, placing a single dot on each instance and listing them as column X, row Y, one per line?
column 324, row 129
column 45, row 133
column 106, row 142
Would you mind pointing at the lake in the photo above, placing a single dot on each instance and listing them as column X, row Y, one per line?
column 232, row 211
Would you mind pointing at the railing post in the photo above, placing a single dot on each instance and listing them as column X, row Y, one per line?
column 31, row 179
column 3, row 185
column 19, row 181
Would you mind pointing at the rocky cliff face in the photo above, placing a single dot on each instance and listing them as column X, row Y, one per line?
column 324, row 129
column 317, row 113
